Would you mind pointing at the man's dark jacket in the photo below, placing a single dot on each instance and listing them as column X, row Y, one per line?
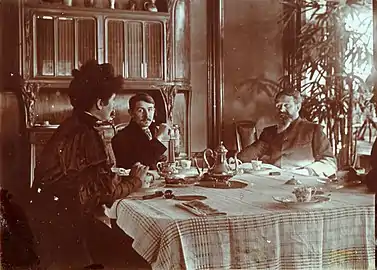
column 371, row 178
column 131, row 145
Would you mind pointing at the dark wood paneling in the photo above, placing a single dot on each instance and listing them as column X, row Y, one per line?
column 10, row 59
column 215, row 37
column 1, row 44
column 14, row 146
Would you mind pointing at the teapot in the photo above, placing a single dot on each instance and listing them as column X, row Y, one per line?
column 221, row 166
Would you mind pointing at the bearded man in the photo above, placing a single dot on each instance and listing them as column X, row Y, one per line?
column 294, row 143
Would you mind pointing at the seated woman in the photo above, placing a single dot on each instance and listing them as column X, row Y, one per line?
column 73, row 176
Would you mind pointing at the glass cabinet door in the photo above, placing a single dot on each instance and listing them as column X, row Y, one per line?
column 116, row 47
column 62, row 44
column 86, row 40
column 65, row 53
column 135, row 48
column 154, row 49
column 44, row 39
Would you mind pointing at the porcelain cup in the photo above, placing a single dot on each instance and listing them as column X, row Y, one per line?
column 148, row 180
column 185, row 164
column 304, row 193
column 257, row 165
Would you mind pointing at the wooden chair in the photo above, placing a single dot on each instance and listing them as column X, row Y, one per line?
column 120, row 126
column 245, row 133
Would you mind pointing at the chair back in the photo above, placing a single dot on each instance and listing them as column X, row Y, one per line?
column 245, row 133
column 120, row 126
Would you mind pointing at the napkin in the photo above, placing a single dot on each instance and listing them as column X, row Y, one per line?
column 199, row 208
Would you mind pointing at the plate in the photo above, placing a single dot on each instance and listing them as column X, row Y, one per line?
column 189, row 197
column 248, row 168
column 290, row 201
column 263, row 169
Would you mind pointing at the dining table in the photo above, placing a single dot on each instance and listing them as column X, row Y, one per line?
column 257, row 228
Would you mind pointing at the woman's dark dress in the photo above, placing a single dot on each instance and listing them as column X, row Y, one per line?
column 72, row 179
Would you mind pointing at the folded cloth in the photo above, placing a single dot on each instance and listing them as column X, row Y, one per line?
column 199, row 208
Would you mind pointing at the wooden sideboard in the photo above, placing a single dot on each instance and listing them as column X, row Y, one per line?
column 151, row 50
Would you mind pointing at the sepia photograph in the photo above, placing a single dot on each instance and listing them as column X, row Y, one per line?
column 188, row 134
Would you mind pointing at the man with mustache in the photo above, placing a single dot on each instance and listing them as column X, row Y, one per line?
column 140, row 141
column 294, row 143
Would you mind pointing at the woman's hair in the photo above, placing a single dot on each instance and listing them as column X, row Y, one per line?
column 93, row 82
column 139, row 97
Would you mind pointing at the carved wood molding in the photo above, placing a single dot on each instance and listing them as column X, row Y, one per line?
column 29, row 92
column 28, row 43
column 169, row 93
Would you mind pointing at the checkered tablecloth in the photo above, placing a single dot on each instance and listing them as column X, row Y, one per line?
column 257, row 233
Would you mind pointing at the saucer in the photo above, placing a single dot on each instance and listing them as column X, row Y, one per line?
column 291, row 201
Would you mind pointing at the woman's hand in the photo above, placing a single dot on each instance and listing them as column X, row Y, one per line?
column 139, row 171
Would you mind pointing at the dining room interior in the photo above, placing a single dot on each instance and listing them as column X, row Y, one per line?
column 213, row 68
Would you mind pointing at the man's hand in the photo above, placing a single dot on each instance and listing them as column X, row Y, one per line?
column 139, row 171
column 163, row 131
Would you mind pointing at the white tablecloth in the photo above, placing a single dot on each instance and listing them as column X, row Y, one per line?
column 257, row 233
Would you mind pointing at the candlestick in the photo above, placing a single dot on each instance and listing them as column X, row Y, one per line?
column 171, row 154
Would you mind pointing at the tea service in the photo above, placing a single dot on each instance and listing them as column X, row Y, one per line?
column 148, row 180
column 220, row 169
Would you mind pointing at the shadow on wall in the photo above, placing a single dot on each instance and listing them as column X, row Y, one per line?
column 252, row 49
column 252, row 99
